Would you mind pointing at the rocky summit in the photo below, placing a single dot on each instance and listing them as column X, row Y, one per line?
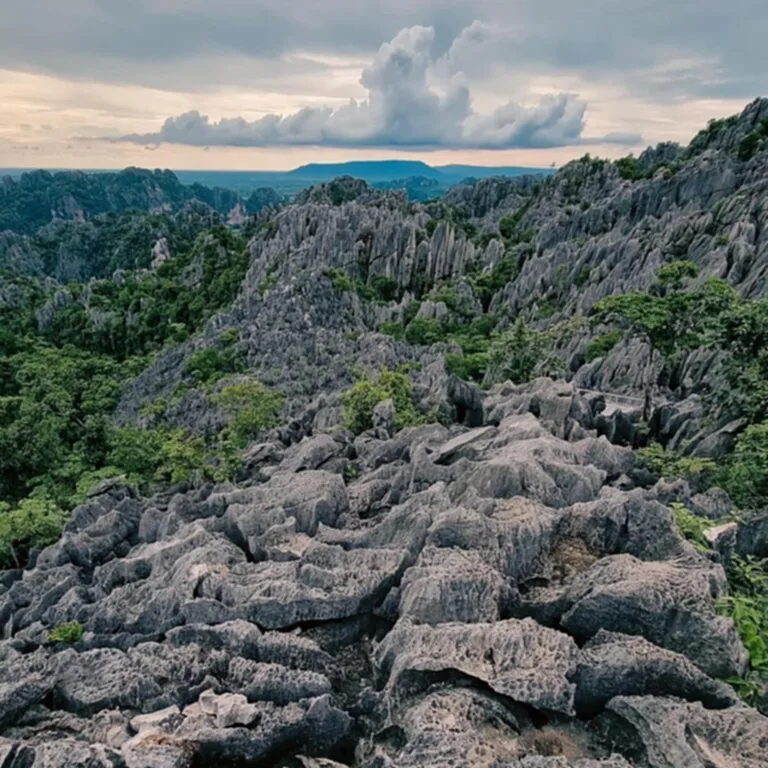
column 360, row 482
column 499, row 595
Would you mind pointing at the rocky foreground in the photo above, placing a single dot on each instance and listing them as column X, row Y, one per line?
column 513, row 595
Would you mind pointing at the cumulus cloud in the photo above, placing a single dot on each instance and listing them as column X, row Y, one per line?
column 409, row 105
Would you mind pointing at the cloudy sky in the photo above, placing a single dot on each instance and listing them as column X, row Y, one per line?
column 271, row 84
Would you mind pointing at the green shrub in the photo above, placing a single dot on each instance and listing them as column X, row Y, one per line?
column 747, row 605
column 181, row 456
column 602, row 345
column 745, row 473
column 520, row 352
column 267, row 284
column 546, row 309
column 209, row 365
column 385, row 288
column 489, row 283
column 34, row 524
column 360, row 400
column 630, row 169
column 69, row 633
column 691, row 527
column 508, row 227
column 670, row 465
column 252, row 407
column 394, row 329
column 341, row 280
column 749, row 145
column 471, row 367
column 425, row 331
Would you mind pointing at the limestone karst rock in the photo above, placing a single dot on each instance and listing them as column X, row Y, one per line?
column 407, row 626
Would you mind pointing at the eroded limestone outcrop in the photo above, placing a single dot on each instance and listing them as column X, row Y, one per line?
column 497, row 596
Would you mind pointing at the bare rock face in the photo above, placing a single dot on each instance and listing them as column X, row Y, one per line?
column 495, row 596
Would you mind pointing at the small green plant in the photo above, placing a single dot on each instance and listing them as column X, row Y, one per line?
column 691, row 527
column 425, row 331
column 520, row 353
column 393, row 329
column 360, row 400
column 670, row 465
column 340, row 279
column 546, row 309
column 745, row 473
column 251, row 406
column 747, row 605
column 749, row 145
column 69, row 633
column 602, row 345
column 209, row 365
column 267, row 284
column 35, row 523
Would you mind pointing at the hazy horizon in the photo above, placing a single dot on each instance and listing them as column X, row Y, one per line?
column 115, row 169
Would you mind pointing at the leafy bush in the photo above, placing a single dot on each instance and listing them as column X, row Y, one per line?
column 749, row 145
column 360, row 400
column 489, row 283
column 471, row 367
column 747, row 605
column 340, row 279
column 691, row 527
column 69, row 633
column 209, row 365
column 630, row 169
column 268, row 283
column 393, row 329
column 670, row 465
column 252, row 406
column 385, row 288
column 520, row 352
column 546, row 309
column 425, row 331
column 602, row 345
column 745, row 473
column 33, row 524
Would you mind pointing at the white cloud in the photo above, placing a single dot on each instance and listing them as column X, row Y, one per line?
column 414, row 102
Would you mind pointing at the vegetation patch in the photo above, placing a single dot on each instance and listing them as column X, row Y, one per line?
column 603, row 344
column 360, row 400
column 69, row 633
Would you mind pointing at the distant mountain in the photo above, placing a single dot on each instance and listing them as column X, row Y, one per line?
column 371, row 171
column 418, row 188
column 460, row 172
column 141, row 188
column 40, row 198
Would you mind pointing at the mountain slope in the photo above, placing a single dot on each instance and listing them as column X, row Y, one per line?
column 39, row 198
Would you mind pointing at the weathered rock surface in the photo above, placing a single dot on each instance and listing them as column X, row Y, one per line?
column 493, row 596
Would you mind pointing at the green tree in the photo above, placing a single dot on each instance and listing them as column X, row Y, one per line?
column 360, row 400
column 34, row 524
column 252, row 407
column 665, row 319
column 521, row 352
column 745, row 474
